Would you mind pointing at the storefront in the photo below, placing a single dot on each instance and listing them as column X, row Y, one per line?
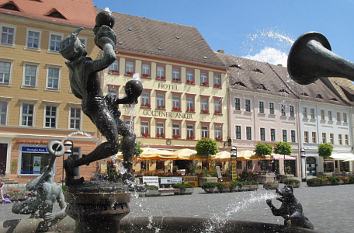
column 32, row 159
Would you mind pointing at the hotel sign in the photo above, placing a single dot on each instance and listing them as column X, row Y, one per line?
column 158, row 113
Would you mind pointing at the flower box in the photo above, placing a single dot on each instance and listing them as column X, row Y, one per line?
column 128, row 73
column 161, row 78
column 217, row 86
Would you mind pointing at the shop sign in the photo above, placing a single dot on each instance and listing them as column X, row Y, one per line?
column 158, row 113
column 34, row 149
column 170, row 180
column 151, row 180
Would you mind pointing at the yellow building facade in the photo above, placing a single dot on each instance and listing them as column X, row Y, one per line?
column 36, row 104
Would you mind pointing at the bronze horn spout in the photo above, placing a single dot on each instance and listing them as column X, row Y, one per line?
column 311, row 58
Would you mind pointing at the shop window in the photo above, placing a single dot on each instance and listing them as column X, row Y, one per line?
column 33, row 160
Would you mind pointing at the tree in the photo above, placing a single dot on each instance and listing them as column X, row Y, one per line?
column 263, row 149
column 325, row 150
column 282, row 148
column 138, row 149
column 206, row 147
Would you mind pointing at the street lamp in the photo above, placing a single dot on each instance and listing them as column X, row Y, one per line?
column 233, row 154
column 303, row 163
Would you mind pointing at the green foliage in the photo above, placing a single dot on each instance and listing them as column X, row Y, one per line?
column 351, row 180
column 263, row 149
column 151, row 187
column 333, row 180
column 220, row 187
column 325, row 150
column 206, row 147
column 208, row 185
column 282, row 148
column 247, row 176
column 314, row 182
column 182, row 185
column 292, row 182
column 138, row 149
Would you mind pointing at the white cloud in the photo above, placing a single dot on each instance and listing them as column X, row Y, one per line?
column 270, row 55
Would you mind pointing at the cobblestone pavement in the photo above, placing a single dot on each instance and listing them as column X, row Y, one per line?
column 329, row 208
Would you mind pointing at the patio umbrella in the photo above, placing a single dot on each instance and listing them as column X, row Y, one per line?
column 279, row 156
column 245, row 154
column 222, row 155
column 185, row 154
column 155, row 154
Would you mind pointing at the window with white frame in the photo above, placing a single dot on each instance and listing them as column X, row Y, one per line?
column 112, row 89
column 53, row 78
column 145, row 99
column 176, row 130
column 204, row 79
column 283, row 110
column 306, row 136
column 293, row 135
column 271, row 108
column 176, row 74
column 160, row 130
column 113, row 68
column 160, row 100
column 217, row 80
column 292, row 111
column 54, row 42
column 285, row 135
column 339, row 117
column 249, row 133
column 261, row 107
column 75, row 118
column 324, row 138
column 5, row 69
column 50, row 116
column 237, row 104
column 346, row 138
column 33, row 39
column 205, row 131
column 330, row 116
column 238, row 132
column 262, row 134
column 190, row 131
column 144, row 129
column 190, row 103
column 27, row 114
column 30, row 73
column 176, row 102
column 323, row 117
column 7, row 35
column 218, row 132
column 217, row 106
column 314, row 138
column 129, row 67
column 345, row 119
column 312, row 113
column 340, row 140
column 272, row 135
column 304, row 113
column 160, row 72
column 190, row 76
column 248, row 105
column 146, row 69
column 331, row 138
column 3, row 112
column 204, row 104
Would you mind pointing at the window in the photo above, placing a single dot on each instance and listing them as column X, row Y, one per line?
column 176, row 130
column 30, row 75
column 272, row 135
column 75, row 118
column 160, row 72
column 112, row 89
column 248, row 105
column 205, row 131
column 144, row 129
column 50, row 116
column 54, row 42
column 190, row 103
column 285, row 135
column 271, row 108
column 129, row 67
column 33, row 39
column 292, row 111
column 204, row 79
column 262, row 134
column 217, row 80
column 282, row 109
column 238, row 132
column 190, row 76
column 312, row 113
column 329, row 116
column 160, row 100
column 27, row 114
column 324, row 138
column 323, row 117
column 53, row 78
column 190, row 131
column 33, row 159
column 160, row 130
column 340, row 141
column 249, row 133
column 237, row 104
column 314, row 139
column 146, row 70
column 5, row 68
column 204, row 104
column 293, row 136
column 338, row 117
column 7, row 35
column 176, row 74
column 3, row 112
column 304, row 112
column 261, row 107
column 218, row 132
column 345, row 119
column 306, row 136
column 145, row 99
column 331, row 138
column 249, row 164
column 114, row 68
column 217, row 106
column 346, row 139
column 176, row 102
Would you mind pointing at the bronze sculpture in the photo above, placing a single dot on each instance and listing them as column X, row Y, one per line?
column 102, row 110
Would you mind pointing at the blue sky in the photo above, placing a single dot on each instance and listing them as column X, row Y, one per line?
column 259, row 29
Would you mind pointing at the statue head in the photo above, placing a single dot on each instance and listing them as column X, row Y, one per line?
column 71, row 47
column 133, row 89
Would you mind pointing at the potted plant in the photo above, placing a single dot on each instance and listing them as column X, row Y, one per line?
column 249, row 185
column 271, row 185
column 221, row 187
column 152, row 190
column 209, row 187
column 292, row 182
column 183, row 188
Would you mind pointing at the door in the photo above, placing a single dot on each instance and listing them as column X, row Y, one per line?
column 311, row 167
column 3, row 158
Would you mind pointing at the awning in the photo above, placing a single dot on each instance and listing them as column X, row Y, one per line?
column 343, row 156
column 287, row 157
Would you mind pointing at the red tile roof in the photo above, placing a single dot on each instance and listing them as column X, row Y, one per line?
column 75, row 12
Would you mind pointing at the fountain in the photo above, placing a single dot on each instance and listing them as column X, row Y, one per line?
column 99, row 206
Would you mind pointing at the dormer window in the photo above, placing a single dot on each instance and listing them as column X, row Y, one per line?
column 261, row 87
column 236, row 66
column 283, row 91
column 10, row 6
column 55, row 14
column 239, row 84
column 257, row 70
column 304, row 94
column 319, row 96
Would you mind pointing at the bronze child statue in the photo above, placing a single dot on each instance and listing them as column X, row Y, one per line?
column 102, row 110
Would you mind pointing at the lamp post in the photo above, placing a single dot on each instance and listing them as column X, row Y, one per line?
column 233, row 153
column 303, row 163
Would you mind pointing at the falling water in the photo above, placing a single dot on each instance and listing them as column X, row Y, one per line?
column 218, row 220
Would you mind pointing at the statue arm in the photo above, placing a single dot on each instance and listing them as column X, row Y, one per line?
column 62, row 204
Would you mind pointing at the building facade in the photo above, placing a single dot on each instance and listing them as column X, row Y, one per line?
column 36, row 103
